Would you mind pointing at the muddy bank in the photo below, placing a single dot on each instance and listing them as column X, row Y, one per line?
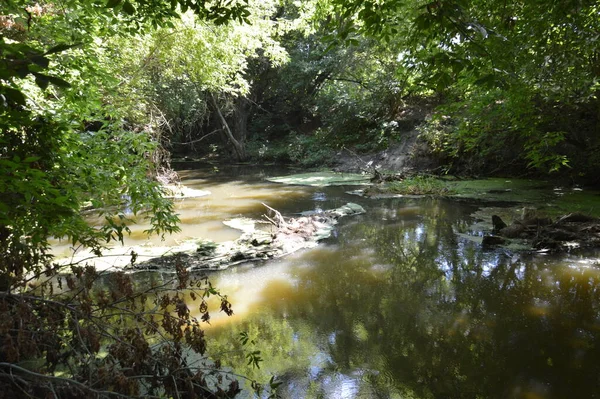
column 410, row 154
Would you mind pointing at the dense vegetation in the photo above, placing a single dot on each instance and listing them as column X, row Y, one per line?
column 95, row 96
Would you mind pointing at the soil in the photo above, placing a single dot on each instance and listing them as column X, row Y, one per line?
column 408, row 155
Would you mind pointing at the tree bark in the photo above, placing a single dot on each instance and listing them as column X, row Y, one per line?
column 241, row 112
column 238, row 145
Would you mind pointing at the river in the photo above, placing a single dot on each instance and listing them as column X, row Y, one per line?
column 398, row 303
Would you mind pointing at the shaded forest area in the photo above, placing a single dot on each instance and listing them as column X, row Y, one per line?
column 95, row 98
column 491, row 88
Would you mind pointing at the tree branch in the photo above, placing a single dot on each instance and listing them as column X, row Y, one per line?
column 66, row 381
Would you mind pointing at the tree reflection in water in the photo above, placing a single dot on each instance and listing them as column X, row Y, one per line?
column 399, row 306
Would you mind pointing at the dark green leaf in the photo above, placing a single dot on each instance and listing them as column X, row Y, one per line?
column 58, row 82
column 486, row 81
column 22, row 71
column 60, row 48
column 41, row 81
column 113, row 3
column 13, row 95
column 41, row 61
column 128, row 8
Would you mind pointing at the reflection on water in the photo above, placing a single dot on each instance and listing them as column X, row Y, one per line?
column 398, row 305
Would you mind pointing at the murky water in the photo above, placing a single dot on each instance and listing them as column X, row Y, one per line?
column 397, row 304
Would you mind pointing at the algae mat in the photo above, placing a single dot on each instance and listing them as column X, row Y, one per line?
column 499, row 189
column 321, row 179
column 547, row 196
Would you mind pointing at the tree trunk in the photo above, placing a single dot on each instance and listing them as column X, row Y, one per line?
column 238, row 145
column 241, row 113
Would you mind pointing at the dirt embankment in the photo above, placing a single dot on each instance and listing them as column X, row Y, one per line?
column 409, row 153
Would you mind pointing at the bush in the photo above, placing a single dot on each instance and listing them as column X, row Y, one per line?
column 309, row 151
column 266, row 151
column 88, row 334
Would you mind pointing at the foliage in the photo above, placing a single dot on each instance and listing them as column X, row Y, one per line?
column 115, row 338
column 90, row 92
column 347, row 93
column 524, row 73
column 266, row 151
column 77, row 128
column 68, row 143
column 196, row 72
column 310, row 151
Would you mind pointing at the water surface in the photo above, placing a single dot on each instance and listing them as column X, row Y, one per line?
column 398, row 303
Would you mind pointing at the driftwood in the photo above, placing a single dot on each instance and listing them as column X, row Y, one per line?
column 278, row 220
column 284, row 237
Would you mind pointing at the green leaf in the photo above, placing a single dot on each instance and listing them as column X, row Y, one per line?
column 58, row 82
column 42, row 81
column 128, row 8
column 22, row 71
column 41, row 61
column 113, row 3
column 13, row 95
column 62, row 47
column 488, row 80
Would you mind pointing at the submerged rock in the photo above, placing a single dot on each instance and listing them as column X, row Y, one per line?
column 283, row 236
column 490, row 241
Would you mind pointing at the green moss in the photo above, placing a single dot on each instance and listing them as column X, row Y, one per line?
column 543, row 195
column 552, row 200
column 584, row 201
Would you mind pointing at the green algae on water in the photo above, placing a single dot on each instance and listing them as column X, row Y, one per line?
column 322, row 179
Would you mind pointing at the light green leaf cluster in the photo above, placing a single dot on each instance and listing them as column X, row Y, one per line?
column 214, row 58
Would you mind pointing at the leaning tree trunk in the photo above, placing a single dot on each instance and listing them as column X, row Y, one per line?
column 238, row 145
column 241, row 112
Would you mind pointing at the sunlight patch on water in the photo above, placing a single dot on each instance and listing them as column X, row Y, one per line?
column 539, row 308
column 247, row 286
